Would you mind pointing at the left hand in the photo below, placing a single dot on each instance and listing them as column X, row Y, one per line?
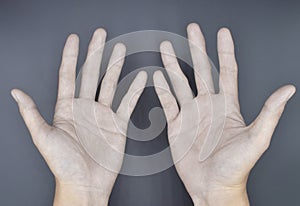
column 221, row 178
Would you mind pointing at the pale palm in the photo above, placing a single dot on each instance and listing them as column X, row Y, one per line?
column 240, row 146
column 79, row 123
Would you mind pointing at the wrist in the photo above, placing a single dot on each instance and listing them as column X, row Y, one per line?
column 68, row 194
column 228, row 197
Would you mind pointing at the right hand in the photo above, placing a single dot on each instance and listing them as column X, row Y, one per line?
column 76, row 173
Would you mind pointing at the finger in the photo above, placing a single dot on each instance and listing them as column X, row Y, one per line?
column 34, row 121
column 228, row 68
column 130, row 99
column 264, row 125
column 67, row 71
column 167, row 100
column 178, row 79
column 202, row 67
column 110, row 80
column 91, row 67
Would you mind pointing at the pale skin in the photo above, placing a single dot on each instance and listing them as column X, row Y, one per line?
column 222, row 177
column 218, row 180
column 80, row 180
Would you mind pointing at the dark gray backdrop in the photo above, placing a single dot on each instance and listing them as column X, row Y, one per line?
column 32, row 34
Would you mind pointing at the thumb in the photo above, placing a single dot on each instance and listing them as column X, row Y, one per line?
column 264, row 125
column 34, row 121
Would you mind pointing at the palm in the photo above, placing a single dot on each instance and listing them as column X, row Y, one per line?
column 217, row 169
column 213, row 149
column 63, row 146
column 84, row 146
column 226, row 166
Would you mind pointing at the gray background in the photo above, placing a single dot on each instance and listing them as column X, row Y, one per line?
column 32, row 34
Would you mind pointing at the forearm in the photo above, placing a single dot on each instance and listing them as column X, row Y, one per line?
column 66, row 195
column 223, row 198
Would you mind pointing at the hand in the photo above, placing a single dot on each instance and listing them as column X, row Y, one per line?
column 219, row 179
column 80, row 180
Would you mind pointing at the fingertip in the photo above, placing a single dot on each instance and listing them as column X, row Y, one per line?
column 13, row 93
column 294, row 87
column 167, row 51
column 98, row 40
column 225, row 41
column 73, row 39
column 224, row 37
column 290, row 90
column 280, row 97
column 120, row 47
column 265, row 123
column 224, row 31
column 157, row 74
column 71, row 45
column 165, row 45
column 101, row 32
column 142, row 75
column 21, row 97
column 193, row 28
